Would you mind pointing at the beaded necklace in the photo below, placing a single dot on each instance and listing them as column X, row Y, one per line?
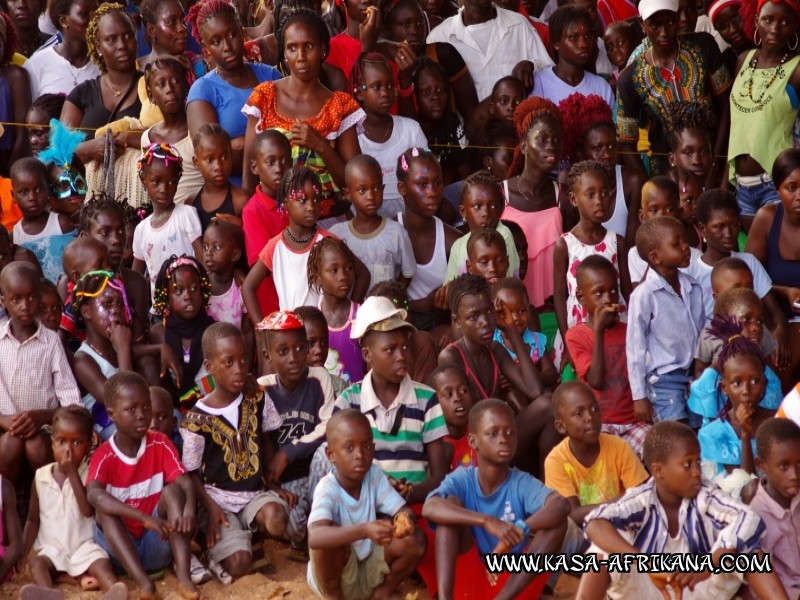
column 778, row 73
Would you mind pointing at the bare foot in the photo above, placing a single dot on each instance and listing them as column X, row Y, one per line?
column 39, row 592
column 118, row 591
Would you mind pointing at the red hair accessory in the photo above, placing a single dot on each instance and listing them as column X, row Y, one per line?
column 719, row 6
column 282, row 320
column 790, row 3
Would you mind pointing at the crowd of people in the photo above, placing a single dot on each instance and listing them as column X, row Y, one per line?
column 403, row 284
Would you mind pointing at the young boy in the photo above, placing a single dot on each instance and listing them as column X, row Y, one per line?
column 353, row 553
column 481, row 204
column 665, row 318
column 507, row 93
column 487, row 505
column 598, row 350
column 224, row 445
column 487, row 255
column 163, row 415
column 588, row 467
column 674, row 511
column 144, row 502
column 730, row 273
column 318, row 338
column 35, row 376
column 456, row 399
column 382, row 244
column 303, row 397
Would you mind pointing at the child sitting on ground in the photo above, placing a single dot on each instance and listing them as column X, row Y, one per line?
column 598, row 351
column 223, row 450
column 775, row 498
column 35, row 376
column 493, row 505
column 455, row 397
column 674, row 511
column 144, row 502
column 665, row 319
column 353, row 553
column 588, row 467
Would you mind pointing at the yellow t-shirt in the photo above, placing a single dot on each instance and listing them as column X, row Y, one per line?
column 616, row 469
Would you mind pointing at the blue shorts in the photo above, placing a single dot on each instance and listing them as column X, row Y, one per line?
column 753, row 197
column 668, row 393
column 154, row 553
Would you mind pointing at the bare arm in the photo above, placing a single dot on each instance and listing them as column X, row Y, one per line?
column 138, row 266
column 560, row 266
column 13, row 529
column 258, row 272
column 21, row 99
column 438, row 467
column 325, row 535
column 631, row 157
column 249, row 179
column 624, row 275
column 363, row 281
column 606, row 537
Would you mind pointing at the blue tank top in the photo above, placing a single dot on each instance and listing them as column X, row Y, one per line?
column 780, row 270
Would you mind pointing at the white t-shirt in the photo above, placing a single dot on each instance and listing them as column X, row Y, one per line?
column 50, row 73
column 546, row 84
column 637, row 266
column 289, row 268
column 154, row 245
column 406, row 133
column 701, row 271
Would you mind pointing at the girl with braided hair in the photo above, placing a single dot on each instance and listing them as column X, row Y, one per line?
column 101, row 303
column 690, row 139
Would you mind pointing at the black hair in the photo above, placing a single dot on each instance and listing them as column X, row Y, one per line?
column 507, row 79
column 393, row 290
column 58, row 9
column 386, row 7
column 362, row 160
column 661, row 440
column 311, row 314
column 509, row 283
column 161, row 287
column 295, row 179
column 115, row 383
column 713, row 200
column 406, row 158
column 563, row 392
column 89, row 286
column 688, row 115
column 18, row 269
column 270, row 135
column 77, row 413
column 164, row 62
column 207, row 130
column 787, row 162
column 50, row 104
column 482, row 177
column 488, row 236
column 734, row 298
column 441, row 370
column 445, row 136
column 730, row 263
column 282, row 7
column 595, row 262
column 230, row 229
column 46, row 284
column 342, row 416
column 565, row 17
column 651, row 233
column 727, row 329
column 355, row 79
column 308, row 17
column 775, row 431
column 151, row 9
column 314, row 266
column 100, row 202
column 465, row 285
column 579, row 169
column 664, row 183
column 30, row 165
column 679, row 174
column 215, row 333
column 489, row 140
column 484, row 406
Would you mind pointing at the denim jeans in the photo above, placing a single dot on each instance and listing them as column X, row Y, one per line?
column 753, row 197
column 153, row 552
column 668, row 393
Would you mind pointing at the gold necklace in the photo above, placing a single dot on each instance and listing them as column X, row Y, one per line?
column 111, row 87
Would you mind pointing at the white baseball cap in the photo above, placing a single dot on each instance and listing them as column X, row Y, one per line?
column 378, row 314
column 647, row 8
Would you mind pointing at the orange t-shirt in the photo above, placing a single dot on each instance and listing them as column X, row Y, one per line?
column 10, row 214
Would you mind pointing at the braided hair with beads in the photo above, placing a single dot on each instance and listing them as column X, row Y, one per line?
column 91, row 285
column 172, row 264
column 159, row 151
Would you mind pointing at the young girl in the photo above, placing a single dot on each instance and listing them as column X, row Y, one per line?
column 214, row 158
column 588, row 192
column 172, row 228
column 734, row 409
column 512, row 293
column 167, row 87
column 382, row 135
column 67, row 185
column 181, row 297
column 100, row 302
column 690, row 139
column 690, row 189
column 10, row 530
column 620, row 39
column 41, row 111
column 51, row 306
column 419, row 181
column 331, row 273
column 60, row 525
column 223, row 246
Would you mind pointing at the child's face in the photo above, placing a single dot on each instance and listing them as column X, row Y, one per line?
column 455, row 396
column 751, row 316
column 743, row 380
column 336, row 274
column 214, row 160
column 721, row 231
column 69, row 438
column 422, row 188
column 379, row 95
column 317, row 334
column 131, row 411
column 517, row 303
column 229, row 364
column 163, row 416
column 185, row 293
column 481, row 206
column 689, row 191
column 680, row 474
column 658, row 203
column 476, row 318
column 38, row 130
column 50, row 309
column 407, row 23
column 542, row 145
column 170, row 31
column 357, row 9
column 729, row 279
column 108, row 228
column 579, row 417
column 22, row 298
column 505, row 100
column 521, row 245
column 495, row 440
column 500, row 160
column 31, row 193
column 730, row 27
column 387, row 354
column 365, row 189
column 272, row 159
column 168, row 90
column 351, row 449
column 288, row 351
column 105, row 311
column 91, row 258
column 597, row 287
column 431, row 95
column 578, row 44
column 619, row 47
column 219, row 252
column 590, row 195
column 600, row 144
column 489, row 260
column 673, row 251
column 693, row 153
column 782, row 468
column 160, row 181
column 303, row 210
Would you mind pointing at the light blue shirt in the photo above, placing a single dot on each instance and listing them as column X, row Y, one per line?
column 663, row 328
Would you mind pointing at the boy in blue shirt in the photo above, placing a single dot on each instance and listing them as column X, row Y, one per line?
column 485, row 504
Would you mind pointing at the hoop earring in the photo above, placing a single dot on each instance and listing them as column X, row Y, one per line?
column 756, row 38
column 796, row 42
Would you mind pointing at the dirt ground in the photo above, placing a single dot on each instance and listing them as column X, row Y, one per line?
column 287, row 582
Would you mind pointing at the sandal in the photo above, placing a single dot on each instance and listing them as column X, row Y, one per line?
column 198, row 571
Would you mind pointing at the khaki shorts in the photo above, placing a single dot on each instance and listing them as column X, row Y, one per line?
column 359, row 577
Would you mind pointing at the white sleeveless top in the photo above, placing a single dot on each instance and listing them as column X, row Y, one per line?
column 52, row 228
column 429, row 276
column 618, row 222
